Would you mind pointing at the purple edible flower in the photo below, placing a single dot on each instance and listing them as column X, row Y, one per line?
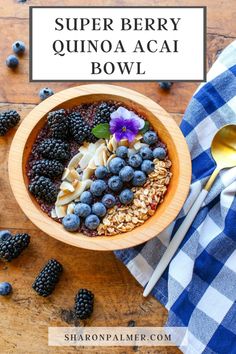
column 125, row 124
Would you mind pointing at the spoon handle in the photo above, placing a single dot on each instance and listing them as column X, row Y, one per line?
column 179, row 236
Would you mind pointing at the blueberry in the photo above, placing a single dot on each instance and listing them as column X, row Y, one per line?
column 18, row 47
column 150, row 137
column 45, row 93
column 71, row 222
column 139, row 178
column 101, row 172
column 126, row 196
column 92, row 222
column 135, row 160
column 159, row 153
column 99, row 209
column 5, row 288
column 146, row 153
column 122, row 151
column 83, row 210
column 147, row 166
column 98, row 187
column 126, row 173
column 165, row 85
column 115, row 183
column 5, row 235
column 86, row 197
column 109, row 200
column 12, row 61
column 116, row 165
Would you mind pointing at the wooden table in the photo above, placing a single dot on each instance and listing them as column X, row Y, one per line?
column 25, row 317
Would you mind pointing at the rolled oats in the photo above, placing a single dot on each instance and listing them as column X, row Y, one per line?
column 146, row 200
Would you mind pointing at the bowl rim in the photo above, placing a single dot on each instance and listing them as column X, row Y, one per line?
column 55, row 229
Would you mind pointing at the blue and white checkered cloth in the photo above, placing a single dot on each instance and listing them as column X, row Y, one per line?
column 199, row 287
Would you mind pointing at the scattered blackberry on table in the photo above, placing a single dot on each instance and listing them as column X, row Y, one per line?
column 47, row 168
column 43, row 189
column 45, row 93
column 8, row 120
column 18, row 47
column 12, row 247
column 47, row 279
column 58, row 124
column 54, row 149
column 79, row 129
column 103, row 113
column 12, row 61
column 84, row 304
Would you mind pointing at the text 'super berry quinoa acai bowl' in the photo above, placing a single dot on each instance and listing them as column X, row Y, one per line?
column 100, row 167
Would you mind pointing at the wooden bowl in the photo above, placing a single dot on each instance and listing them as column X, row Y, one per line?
column 168, row 131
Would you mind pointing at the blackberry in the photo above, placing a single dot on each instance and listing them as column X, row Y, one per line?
column 79, row 129
column 83, row 304
column 8, row 120
column 91, row 138
column 47, row 279
column 43, row 189
column 12, row 247
column 48, row 168
column 54, row 149
column 103, row 113
column 58, row 124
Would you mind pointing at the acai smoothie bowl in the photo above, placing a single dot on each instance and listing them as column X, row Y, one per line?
column 100, row 167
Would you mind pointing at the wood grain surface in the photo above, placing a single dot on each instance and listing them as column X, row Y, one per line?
column 25, row 317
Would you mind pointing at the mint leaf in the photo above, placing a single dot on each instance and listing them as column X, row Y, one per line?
column 145, row 128
column 102, row 131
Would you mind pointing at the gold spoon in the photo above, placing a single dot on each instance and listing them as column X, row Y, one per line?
column 223, row 150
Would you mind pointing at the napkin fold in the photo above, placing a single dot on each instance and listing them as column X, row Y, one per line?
column 199, row 287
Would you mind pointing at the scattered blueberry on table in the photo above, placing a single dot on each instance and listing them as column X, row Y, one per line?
column 45, row 93
column 5, row 288
column 18, row 47
column 12, row 61
column 165, row 85
column 5, row 235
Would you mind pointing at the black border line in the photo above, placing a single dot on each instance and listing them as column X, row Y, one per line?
column 129, row 7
